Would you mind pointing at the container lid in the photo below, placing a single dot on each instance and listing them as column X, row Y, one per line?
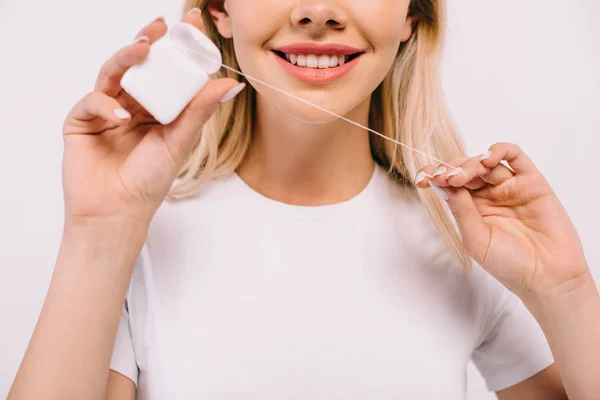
column 197, row 46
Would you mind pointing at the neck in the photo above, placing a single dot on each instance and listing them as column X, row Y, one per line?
column 308, row 164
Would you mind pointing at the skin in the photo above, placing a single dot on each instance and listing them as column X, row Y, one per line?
column 511, row 222
column 116, row 172
column 301, row 155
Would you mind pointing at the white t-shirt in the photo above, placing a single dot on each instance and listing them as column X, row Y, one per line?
column 239, row 297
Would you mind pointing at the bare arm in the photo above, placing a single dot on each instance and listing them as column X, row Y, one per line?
column 69, row 353
column 545, row 385
column 571, row 323
column 513, row 224
column 118, row 166
column 119, row 387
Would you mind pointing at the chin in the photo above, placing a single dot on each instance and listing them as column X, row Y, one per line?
column 311, row 116
column 302, row 112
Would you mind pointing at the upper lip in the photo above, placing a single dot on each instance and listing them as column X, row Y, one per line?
column 318, row 48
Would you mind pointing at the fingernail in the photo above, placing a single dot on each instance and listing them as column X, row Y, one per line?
column 161, row 18
column 439, row 171
column 141, row 38
column 485, row 156
column 455, row 171
column 194, row 10
column 421, row 177
column 233, row 92
column 439, row 191
column 121, row 113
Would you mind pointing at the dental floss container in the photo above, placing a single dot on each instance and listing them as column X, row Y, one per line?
column 173, row 73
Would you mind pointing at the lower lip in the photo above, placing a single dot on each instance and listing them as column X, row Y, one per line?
column 314, row 75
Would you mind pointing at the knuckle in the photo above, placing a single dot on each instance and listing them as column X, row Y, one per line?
column 66, row 126
column 429, row 169
column 90, row 99
column 87, row 100
column 92, row 96
column 473, row 162
column 498, row 146
column 104, row 68
column 457, row 215
column 203, row 111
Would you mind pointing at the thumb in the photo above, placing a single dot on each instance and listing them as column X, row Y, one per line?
column 475, row 235
column 182, row 134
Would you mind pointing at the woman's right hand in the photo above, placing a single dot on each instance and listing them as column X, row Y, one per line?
column 119, row 162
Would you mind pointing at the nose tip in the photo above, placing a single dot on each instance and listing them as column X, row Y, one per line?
column 318, row 15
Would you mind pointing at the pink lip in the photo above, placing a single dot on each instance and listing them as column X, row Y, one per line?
column 316, row 48
column 314, row 75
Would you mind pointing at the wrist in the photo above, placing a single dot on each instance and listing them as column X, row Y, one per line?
column 114, row 242
column 565, row 300
column 116, row 227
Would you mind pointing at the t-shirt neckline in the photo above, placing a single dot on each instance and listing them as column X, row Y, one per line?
column 259, row 201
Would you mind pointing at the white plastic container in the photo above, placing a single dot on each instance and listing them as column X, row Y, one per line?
column 173, row 73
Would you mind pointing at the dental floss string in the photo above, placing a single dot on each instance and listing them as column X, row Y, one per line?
column 187, row 49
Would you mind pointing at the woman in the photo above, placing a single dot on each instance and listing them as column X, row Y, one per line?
column 304, row 258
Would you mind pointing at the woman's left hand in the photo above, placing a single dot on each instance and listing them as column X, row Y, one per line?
column 511, row 223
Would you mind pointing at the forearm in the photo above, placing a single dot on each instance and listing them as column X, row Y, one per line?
column 571, row 323
column 70, row 350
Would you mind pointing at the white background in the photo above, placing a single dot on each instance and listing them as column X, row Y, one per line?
column 521, row 71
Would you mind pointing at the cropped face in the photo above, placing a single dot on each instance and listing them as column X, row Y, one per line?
column 330, row 52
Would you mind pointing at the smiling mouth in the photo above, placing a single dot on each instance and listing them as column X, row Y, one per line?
column 317, row 61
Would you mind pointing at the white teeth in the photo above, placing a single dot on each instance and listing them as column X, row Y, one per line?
column 301, row 61
column 333, row 61
column 312, row 61
column 322, row 61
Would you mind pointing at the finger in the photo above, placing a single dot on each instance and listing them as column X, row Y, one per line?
column 469, row 175
column 109, row 77
column 93, row 113
column 514, row 155
column 441, row 172
column 154, row 30
column 440, row 175
column 475, row 184
column 423, row 176
column 499, row 174
column 183, row 133
column 474, row 233
column 194, row 17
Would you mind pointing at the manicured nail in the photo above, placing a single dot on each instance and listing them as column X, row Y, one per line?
column 439, row 191
column 455, row 171
column 233, row 92
column 439, row 171
column 141, row 38
column 421, row 177
column 485, row 156
column 194, row 10
column 121, row 113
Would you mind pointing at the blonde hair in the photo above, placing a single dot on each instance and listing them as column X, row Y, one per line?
column 408, row 106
